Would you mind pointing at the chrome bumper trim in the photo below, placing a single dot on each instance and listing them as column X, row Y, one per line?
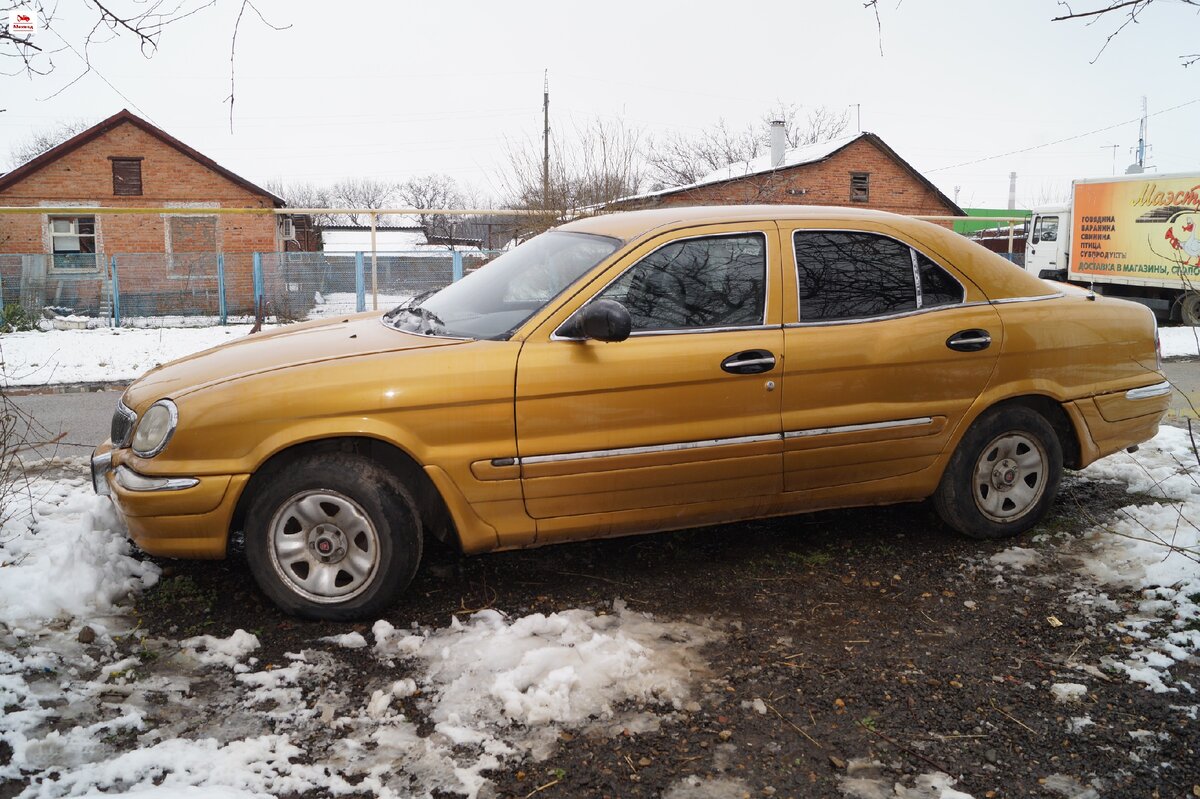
column 132, row 481
column 1149, row 392
column 101, row 465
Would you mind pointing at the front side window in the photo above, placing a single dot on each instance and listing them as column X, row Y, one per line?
column 715, row 281
column 493, row 301
column 73, row 241
column 1046, row 229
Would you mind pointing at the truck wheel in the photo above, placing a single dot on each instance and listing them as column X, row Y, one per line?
column 1189, row 308
column 333, row 537
column 1004, row 475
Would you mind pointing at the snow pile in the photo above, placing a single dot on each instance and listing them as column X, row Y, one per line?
column 1068, row 692
column 221, row 651
column 103, row 354
column 1179, row 341
column 866, row 779
column 63, row 553
column 1153, row 550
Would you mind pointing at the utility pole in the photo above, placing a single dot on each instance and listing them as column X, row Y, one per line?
column 858, row 115
column 1141, row 150
column 1114, row 148
column 546, row 142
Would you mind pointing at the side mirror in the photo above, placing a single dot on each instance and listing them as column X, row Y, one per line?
column 604, row 320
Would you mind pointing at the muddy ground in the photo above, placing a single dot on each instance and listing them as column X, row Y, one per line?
column 870, row 634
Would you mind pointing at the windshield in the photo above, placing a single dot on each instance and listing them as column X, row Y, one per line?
column 495, row 300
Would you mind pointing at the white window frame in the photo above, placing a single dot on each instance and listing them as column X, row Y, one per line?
column 52, row 235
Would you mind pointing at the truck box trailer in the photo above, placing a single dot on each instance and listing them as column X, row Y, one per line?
column 1133, row 236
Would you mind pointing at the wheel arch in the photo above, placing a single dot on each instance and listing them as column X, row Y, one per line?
column 1049, row 409
column 435, row 516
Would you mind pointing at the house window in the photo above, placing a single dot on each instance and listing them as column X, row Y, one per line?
column 860, row 186
column 127, row 177
column 73, row 242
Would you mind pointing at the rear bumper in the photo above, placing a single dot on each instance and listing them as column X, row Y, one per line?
column 182, row 517
column 1109, row 423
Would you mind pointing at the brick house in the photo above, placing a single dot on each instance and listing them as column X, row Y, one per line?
column 63, row 259
column 854, row 170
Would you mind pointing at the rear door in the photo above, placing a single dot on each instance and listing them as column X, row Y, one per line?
column 888, row 351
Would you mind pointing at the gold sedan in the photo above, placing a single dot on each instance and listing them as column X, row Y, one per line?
column 633, row 373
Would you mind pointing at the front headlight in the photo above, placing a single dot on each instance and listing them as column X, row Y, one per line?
column 155, row 428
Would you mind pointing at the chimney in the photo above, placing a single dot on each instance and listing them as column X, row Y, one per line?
column 778, row 142
column 1012, row 191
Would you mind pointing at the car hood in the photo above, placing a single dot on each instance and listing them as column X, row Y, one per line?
column 290, row 345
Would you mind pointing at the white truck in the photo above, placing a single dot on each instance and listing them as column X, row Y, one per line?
column 1133, row 236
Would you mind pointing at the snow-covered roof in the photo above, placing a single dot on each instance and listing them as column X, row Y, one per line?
column 797, row 156
column 411, row 240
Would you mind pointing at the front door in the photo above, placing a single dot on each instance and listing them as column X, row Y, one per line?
column 684, row 411
column 1041, row 251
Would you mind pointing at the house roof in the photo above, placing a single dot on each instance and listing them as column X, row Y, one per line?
column 119, row 118
column 797, row 156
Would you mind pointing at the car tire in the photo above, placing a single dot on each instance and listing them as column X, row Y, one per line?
column 1004, row 475
column 1189, row 308
column 333, row 537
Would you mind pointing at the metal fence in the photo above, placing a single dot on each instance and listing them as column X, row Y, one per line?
column 194, row 289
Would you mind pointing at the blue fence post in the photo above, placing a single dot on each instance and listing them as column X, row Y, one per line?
column 221, row 286
column 258, row 286
column 116, row 292
column 360, row 283
column 457, row 266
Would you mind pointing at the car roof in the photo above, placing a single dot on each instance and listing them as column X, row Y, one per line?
column 628, row 225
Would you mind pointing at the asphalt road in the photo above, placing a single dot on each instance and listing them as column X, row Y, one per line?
column 82, row 419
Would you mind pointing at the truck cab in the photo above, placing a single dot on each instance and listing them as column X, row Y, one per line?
column 1048, row 249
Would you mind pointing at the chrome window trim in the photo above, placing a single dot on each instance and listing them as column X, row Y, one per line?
column 678, row 331
column 612, row 453
column 173, row 412
column 856, row 428
column 1004, row 300
column 129, row 480
column 1149, row 392
column 912, row 253
column 556, row 336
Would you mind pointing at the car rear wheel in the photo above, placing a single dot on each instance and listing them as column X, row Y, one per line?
column 333, row 537
column 1004, row 475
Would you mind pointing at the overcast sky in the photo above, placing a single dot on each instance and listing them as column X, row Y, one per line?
column 398, row 89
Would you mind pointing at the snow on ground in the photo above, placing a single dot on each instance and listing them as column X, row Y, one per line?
column 1150, row 549
column 1179, row 341
column 95, row 705
column 328, row 305
column 108, row 355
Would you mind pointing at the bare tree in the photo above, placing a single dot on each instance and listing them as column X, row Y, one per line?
column 363, row 193
column 39, row 141
column 435, row 192
column 1128, row 12
column 305, row 195
column 594, row 166
column 139, row 21
column 678, row 160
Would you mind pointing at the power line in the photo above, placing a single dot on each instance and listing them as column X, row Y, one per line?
column 1061, row 141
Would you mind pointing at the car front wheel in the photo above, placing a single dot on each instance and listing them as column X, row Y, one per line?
column 1004, row 475
column 333, row 537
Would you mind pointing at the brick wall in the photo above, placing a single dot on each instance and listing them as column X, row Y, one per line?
column 892, row 187
column 169, row 178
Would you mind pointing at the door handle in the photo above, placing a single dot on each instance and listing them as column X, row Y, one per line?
column 972, row 340
column 749, row 362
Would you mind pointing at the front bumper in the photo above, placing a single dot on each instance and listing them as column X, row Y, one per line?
column 178, row 517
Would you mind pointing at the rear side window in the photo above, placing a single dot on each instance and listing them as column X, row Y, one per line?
column 714, row 281
column 850, row 275
column 938, row 287
column 846, row 275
